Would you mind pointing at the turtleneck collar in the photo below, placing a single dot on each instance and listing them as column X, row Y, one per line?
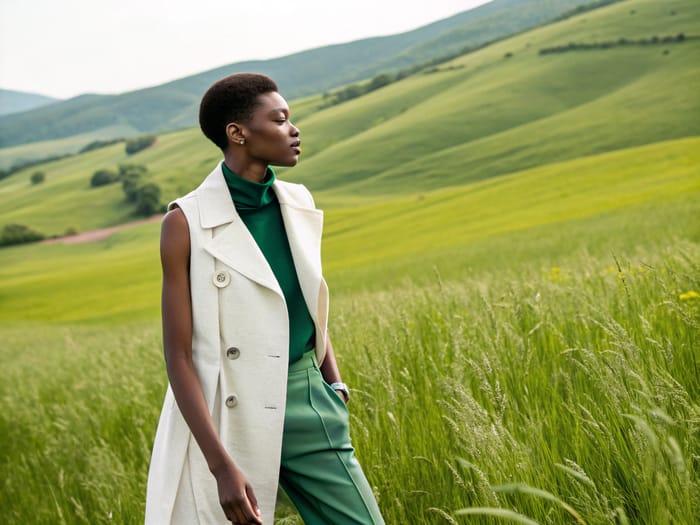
column 249, row 195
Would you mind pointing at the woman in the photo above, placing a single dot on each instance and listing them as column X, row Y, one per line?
column 255, row 398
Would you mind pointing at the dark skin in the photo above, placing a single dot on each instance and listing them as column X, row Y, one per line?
column 267, row 138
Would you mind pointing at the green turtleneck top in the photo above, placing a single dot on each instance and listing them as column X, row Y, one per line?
column 258, row 207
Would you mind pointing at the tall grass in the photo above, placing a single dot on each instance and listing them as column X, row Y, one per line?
column 581, row 381
column 527, row 393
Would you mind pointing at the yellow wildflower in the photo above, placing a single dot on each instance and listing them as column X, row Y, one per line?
column 689, row 295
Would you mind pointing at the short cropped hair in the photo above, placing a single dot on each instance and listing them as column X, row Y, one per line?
column 231, row 99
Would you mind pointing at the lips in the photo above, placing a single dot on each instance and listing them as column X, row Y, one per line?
column 295, row 146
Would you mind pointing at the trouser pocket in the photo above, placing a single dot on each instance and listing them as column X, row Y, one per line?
column 330, row 409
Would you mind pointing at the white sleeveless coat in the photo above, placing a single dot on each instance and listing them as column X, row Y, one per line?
column 240, row 343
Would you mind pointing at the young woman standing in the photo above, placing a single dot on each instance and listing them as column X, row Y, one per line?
column 255, row 398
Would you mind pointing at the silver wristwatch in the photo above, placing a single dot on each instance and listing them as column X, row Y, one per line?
column 343, row 388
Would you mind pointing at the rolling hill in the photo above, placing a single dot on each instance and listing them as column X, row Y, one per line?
column 482, row 115
column 12, row 101
column 174, row 105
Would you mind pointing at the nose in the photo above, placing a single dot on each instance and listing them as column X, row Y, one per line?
column 294, row 131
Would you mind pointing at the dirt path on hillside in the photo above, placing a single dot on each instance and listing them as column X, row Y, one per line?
column 98, row 235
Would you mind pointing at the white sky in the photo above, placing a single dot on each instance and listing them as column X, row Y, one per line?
column 63, row 48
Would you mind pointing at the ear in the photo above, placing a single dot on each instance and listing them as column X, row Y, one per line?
column 235, row 133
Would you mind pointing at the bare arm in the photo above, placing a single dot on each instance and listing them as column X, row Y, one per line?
column 329, row 368
column 235, row 494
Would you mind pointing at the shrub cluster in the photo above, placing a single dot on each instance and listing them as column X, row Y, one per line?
column 585, row 8
column 145, row 196
column 362, row 88
column 139, row 143
column 19, row 234
column 103, row 177
column 97, row 144
column 584, row 46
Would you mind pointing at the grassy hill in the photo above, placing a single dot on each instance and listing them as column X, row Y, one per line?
column 612, row 203
column 485, row 114
column 477, row 117
column 174, row 105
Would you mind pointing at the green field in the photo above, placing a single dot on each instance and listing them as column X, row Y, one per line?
column 512, row 247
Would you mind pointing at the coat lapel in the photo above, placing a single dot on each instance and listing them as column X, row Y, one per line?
column 231, row 241
column 304, row 226
column 233, row 244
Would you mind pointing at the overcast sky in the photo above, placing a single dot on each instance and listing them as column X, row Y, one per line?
column 63, row 48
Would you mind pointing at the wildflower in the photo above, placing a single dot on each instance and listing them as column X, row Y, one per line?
column 689, row 295
column 556, row 274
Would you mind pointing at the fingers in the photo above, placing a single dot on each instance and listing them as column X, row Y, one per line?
column 253, row 500
column 241, row 510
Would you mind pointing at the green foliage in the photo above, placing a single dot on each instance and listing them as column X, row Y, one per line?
column 18, row 234
column 584, row 8
column 125, row 169
column 145, row 196
column 148, row 199
column 131, row 176
column 103, row 177
column 139, row 143
column 585, row 46
column 356, row 90
column 97, row 144
column 37, row 177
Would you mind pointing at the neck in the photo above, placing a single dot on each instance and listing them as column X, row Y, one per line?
column 245, row 168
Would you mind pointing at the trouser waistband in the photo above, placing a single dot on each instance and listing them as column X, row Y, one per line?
column 306, row 361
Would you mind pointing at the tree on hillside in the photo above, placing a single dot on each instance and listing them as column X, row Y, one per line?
column 380, row 81
column 148, row 199
column 131, row 181
column 131, row 176
column 126, row 168
column 37, row 177
column 103, row 177
column 139, row 143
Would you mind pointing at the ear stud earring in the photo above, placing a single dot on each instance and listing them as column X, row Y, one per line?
column 241, row 141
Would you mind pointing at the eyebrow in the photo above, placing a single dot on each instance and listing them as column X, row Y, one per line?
column 281, row 110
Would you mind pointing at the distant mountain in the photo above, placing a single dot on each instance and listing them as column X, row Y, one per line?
column 17, row 101
column 174, row 105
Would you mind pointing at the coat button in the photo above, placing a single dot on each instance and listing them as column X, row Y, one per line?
column 231, row 401
column 221, row 279
column 233, row 353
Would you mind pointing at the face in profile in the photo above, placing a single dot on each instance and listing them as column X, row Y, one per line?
column 270, row 136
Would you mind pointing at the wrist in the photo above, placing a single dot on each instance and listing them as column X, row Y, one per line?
column 220, row 465
column 341, row 387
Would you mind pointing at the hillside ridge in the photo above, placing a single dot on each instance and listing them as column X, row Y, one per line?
column 173, row 105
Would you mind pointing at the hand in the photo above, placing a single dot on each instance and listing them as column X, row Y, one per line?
column 236, row 496
column 342, row 396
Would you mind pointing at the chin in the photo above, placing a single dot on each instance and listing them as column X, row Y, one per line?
column 288, row 163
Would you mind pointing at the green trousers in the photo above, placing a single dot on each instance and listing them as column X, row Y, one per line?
column 319, row 471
